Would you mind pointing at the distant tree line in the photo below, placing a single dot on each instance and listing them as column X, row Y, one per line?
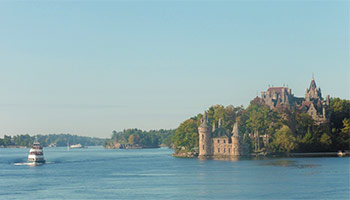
column 152, row 138
column 274, row 130
column 45, row 140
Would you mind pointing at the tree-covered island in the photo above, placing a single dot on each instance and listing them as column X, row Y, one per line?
column 275, row 123
column 266, row 130
column 136, row 138
column 25, row 140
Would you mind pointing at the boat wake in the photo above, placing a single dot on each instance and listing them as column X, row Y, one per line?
column 31, row 163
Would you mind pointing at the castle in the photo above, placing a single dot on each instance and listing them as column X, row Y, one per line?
column 312, row 103
column 217, row 141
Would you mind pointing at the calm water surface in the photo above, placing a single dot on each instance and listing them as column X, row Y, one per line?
column 97, row 173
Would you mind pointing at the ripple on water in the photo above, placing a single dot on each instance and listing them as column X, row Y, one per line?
column 289, row 163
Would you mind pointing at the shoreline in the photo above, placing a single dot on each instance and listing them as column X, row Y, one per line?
column 267, row 155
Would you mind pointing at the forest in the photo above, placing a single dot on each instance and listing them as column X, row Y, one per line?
column 140, row 138
column 45, row 140
column 274, row 130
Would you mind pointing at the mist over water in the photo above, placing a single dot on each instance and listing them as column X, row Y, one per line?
column 97, row 173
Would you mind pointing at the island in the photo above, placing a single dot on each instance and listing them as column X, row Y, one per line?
column 139, row 139
column 276, row 123
column 49, row 140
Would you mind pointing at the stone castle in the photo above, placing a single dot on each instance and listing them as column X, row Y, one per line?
column 312, row 103
column 216, row 141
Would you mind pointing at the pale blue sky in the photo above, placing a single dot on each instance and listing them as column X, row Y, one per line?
column 88, row 68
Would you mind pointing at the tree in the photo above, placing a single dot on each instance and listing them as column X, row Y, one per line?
column 131, row 139
column 346, row 126
column 344, row 136
column 339, row 110
column 284, row 140
column 186, row 135
column 325, row 140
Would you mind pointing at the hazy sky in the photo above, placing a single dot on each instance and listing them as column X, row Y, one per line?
column 89, row 68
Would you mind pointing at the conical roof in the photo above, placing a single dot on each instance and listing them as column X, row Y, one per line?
column 312, row 84
column 204, row 122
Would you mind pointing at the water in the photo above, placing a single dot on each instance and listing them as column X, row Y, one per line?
column 97, row 173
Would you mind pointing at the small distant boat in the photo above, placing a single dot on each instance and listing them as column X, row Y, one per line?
column 75, row 146
column 52, row 145
column 36, row 154
column 341, row 154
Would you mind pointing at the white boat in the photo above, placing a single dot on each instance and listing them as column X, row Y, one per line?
column 76, row 146
column 36, row 154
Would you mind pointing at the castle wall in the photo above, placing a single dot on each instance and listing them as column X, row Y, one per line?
column 221, row 147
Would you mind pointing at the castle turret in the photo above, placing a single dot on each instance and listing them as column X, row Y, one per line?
column 312, row 92
column 205, row 137
column 235, row 140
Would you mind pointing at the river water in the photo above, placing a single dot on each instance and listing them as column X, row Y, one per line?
column 97, row 173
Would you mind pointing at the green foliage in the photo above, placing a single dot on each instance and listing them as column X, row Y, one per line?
column 304, row 123
column 152, row 138
column 45, row 140
column 325, row 140
column 339, row 110
column 260, row 118
column 288, row 130
column 339, row 123
column 186, row 135
column 284, row 141
column 228, row 115
column 346, row 126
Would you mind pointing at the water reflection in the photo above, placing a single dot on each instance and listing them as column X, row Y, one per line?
column 223, row 158
column 288, row 163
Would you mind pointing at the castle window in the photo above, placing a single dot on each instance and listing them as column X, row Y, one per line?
column 224, row 141
column 229, row 150
column 218, row 141
column 203, row 147
column 224, row 149
column 218, row 150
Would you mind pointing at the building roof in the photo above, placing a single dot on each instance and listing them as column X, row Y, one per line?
column 307, row 105
column 312, row 84
column 204, row 121
column 277, row 89
column 221, row 132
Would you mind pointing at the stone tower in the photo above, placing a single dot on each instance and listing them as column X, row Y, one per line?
column 204, row 132
column 235, row 140
column 312, row 93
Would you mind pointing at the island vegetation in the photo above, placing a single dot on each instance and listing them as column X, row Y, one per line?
column 136, row 138
column 274, row 130
column 48, row 140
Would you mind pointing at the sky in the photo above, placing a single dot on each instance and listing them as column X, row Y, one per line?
column 91, row 67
